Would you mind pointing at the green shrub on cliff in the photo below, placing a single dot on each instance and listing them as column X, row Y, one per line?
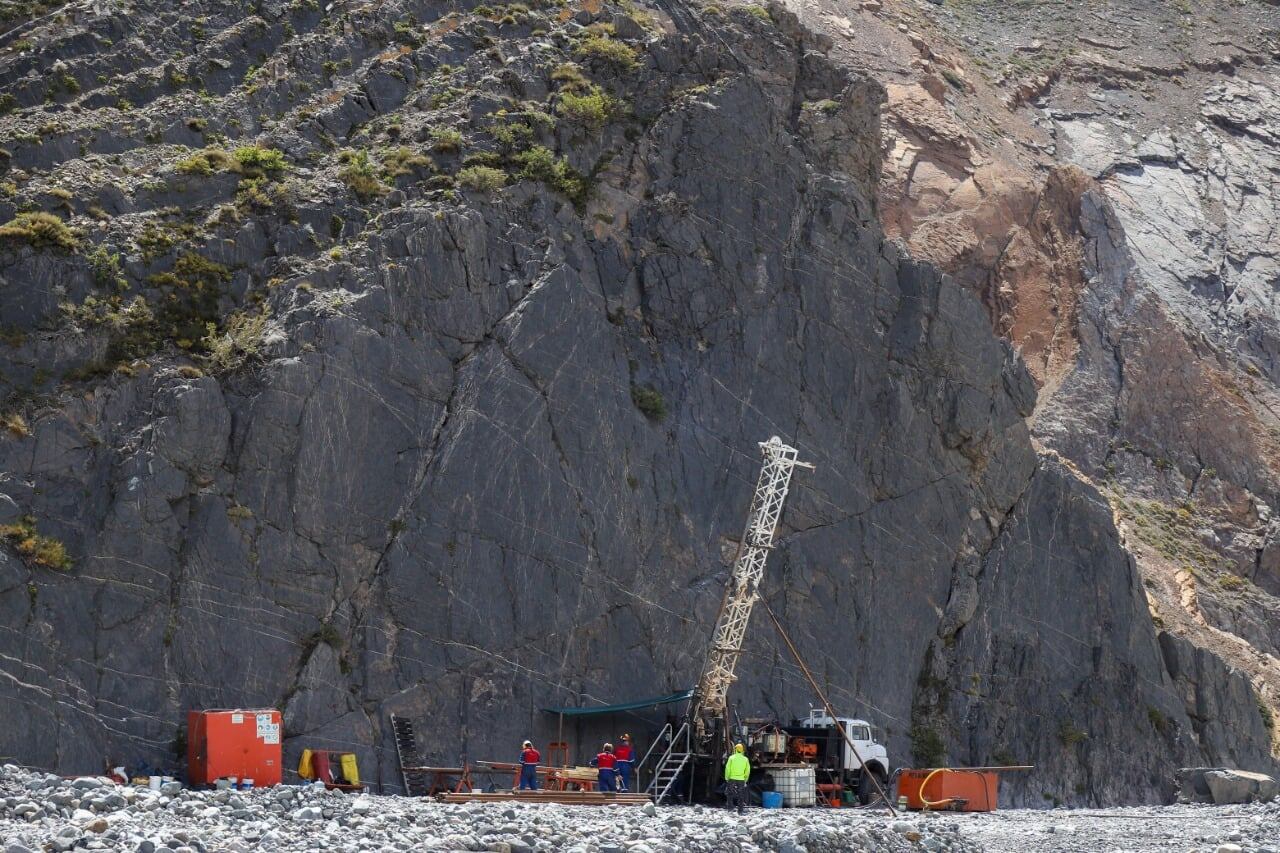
column 40, row 230
column 239, row 343
column 591, row 109
column 207, row 161
column 35, row 549
column 649, row 401
column 360, row 175
column 602, row 48
column 256, row 161
column 482, row 178
column 539, row 164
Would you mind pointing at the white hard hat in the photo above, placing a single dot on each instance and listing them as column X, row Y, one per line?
column 528, row 743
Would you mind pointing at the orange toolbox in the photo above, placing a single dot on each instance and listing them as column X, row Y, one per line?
column 944, row 788
column 240, row 743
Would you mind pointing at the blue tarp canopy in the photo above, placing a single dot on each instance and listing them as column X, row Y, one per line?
column 625, row 706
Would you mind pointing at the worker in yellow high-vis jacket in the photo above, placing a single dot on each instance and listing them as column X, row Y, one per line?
column 737, row 770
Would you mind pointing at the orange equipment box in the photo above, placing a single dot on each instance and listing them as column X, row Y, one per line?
column 244, row 744
column 944, row 788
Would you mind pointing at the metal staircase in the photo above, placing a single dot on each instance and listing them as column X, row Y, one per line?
column 415, row 780
column 670, row 765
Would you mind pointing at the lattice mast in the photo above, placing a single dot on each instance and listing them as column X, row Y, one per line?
column 709, row 699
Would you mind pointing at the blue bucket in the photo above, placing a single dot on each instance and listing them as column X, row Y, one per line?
column 771, row 800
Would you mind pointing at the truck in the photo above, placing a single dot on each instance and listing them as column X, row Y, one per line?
column 817, row 739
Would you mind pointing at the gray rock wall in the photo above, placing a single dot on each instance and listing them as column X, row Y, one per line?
column 436, row 496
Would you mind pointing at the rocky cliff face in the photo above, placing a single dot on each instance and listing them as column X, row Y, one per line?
column 1098, row 177
column 374, row 360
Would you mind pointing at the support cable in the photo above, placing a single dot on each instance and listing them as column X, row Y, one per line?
column 827, row 704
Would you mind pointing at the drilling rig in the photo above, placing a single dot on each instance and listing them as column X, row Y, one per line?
column 704, row 738
column 697, row 748
column 709, row 705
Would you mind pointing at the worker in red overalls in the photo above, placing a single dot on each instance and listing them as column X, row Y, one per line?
column 529, row 758
column 607, row 763
column 625, row 754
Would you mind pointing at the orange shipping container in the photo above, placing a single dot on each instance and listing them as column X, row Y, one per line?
column 978, row 788
column 244, row 744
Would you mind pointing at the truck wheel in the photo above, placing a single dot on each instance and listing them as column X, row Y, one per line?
column 866, row 788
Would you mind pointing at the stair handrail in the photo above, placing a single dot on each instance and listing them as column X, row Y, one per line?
column 643, row 761
column 666, row 756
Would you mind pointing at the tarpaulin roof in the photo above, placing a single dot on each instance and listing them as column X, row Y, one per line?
column 625, row 706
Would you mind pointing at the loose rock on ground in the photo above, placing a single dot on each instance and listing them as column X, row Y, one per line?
column 41, row 812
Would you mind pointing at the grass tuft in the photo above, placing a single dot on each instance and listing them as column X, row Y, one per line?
column 482, row 178
column 36, row 549
column 41, row 231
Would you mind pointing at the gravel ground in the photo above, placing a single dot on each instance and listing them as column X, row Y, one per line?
column 1202, row 829
column 40, row 812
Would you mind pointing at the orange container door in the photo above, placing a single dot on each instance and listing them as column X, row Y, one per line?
column 244, row 744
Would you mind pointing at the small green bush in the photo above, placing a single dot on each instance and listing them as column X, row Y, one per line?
column 539, row 164
column 41, row 230
column 257, row 162
column 408, row 32
column 483, row 158
column 826, row 105
column 159, row 237
column 31, row 546
column 405, row 161
column 207, row 161
column 602, row 48
column 106, row 268
column 360, row 175
column 570, row 77
column 591, row 110
column 649, row 401
column 239, row 343
column 264, row 194
column 482, row 178
column 446, row 140
column 511, row 135
column 187, row 303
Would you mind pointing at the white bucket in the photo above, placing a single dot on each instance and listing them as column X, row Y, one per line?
column 153, row 782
